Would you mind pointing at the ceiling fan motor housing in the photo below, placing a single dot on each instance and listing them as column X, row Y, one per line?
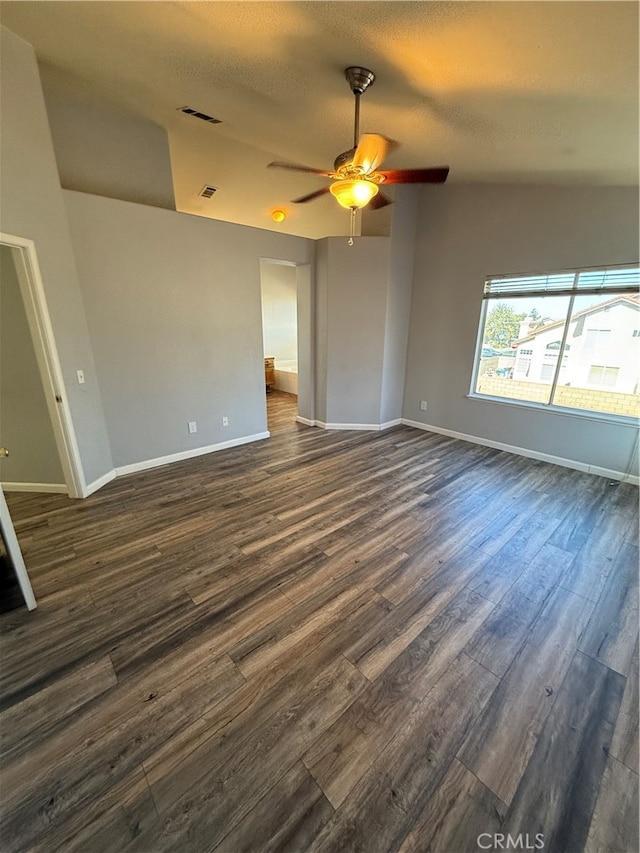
column 343, row 159
column 359, row 78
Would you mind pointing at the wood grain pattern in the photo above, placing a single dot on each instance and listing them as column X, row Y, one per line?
column 407, row 772
column 380, row 646
column 499, row 748
column 345, row 752
column 558, row 792
column 324, row 641
column 588, row 573
column 496, row 643
column 613, row 629
column 460, row 810
column 624, row 745
column 285, row 820
column 615, row 822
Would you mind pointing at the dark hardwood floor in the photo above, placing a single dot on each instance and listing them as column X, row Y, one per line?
column 327, row 641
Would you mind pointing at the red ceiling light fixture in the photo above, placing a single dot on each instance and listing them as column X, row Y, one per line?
column 356, row 174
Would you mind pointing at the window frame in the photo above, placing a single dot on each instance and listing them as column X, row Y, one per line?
column 572, row 292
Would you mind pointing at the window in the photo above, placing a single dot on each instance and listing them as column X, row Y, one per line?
column 604, row 376
column 546, row 374
column 597, row 338
column 565, row 340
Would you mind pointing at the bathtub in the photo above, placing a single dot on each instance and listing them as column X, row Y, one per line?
column 286, row 374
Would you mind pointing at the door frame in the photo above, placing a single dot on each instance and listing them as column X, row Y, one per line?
column 14, row 554
column 25, row 258
column 305, row 334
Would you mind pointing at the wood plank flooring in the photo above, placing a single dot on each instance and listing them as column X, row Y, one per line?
column 326, row 641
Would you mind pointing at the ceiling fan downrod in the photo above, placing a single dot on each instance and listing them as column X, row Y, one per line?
column 359, row 80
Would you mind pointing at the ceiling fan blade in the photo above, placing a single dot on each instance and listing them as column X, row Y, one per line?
column 295, row 168
column 436, row 175
column 379, row 200
column 310, row 196
column 371, row 151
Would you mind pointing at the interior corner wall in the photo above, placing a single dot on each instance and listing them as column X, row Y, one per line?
column 174, row 310
column 321, row 306
column 466, row 233
column 396, row 336
column 306, row 341
column 32, row 207
column 25, row 424
column 103, row 149
column 351, row 305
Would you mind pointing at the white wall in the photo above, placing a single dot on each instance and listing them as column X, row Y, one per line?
column 466, row 233
column 32, row 207
column 25, row 425
column 279, row 310
column 174, row 310
column 101, row 148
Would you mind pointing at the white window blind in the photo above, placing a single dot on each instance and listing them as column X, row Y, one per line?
column 611, row 280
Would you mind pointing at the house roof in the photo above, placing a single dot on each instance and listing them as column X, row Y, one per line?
column 513, row 92
column 631, row 302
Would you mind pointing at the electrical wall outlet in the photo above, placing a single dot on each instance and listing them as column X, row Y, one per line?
column 423, row 405
column 193, row 426
column 225, row 421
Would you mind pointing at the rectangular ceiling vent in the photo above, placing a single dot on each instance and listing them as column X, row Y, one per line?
column 207, row 192
column 197, row 114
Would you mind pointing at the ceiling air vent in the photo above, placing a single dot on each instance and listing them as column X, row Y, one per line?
column 197, row 114
column 207, row 192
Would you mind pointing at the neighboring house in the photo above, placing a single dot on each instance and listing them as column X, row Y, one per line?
column 600, row 351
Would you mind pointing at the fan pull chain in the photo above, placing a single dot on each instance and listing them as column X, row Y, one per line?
column 352, row 230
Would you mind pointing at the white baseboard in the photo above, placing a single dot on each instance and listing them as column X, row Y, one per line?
column 363, row 427
column 188, row 454
column 99, row 483
column 366, row 427
column 525, row 451
column 48, row 488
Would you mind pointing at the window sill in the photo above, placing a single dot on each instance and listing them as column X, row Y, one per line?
column 582, row 414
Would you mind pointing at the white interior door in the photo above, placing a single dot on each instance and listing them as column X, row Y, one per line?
column 15, row 554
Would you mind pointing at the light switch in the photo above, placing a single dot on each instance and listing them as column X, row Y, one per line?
column 80, row 375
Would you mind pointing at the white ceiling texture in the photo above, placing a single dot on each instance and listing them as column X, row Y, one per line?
column 535, row 92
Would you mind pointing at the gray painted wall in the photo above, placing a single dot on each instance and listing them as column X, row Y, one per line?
column 306, row 342
column 174, row 310
column 351, row 305
column 321, row 309
column 468, row 232
column 25, row 425
column 32, row 207
column 396, row 336
column 101, row 148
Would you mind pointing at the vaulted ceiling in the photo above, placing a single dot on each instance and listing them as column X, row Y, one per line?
column 538, row 92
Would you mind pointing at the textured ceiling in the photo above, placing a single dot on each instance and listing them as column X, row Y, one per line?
column 543, row 92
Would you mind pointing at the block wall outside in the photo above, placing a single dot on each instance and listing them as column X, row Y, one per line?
column 566, row 395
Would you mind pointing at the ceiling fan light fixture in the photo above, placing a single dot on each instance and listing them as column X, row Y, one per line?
column 353, row 194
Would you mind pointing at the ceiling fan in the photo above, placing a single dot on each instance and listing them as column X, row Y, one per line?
column 356, row 174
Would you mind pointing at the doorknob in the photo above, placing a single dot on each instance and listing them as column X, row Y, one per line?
column 4, row 451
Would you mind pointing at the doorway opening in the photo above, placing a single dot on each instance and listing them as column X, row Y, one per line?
column 286, row 331
column 36, row 422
